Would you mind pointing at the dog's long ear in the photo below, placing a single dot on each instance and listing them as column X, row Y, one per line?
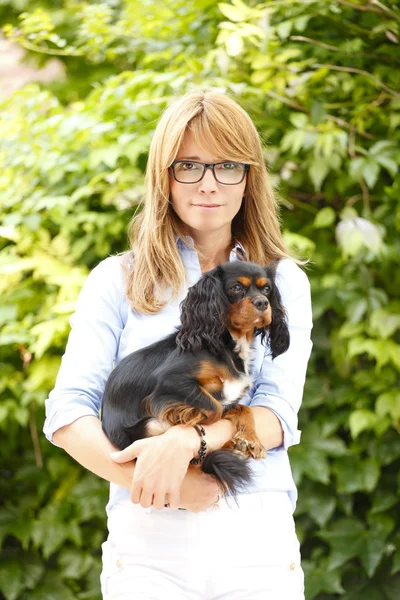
column 203, row 314
column 279, row 338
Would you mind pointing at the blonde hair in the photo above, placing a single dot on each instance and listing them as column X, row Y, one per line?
column 225, row 129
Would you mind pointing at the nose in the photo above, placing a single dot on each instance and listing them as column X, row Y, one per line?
column 208, row 184
column 260, row 303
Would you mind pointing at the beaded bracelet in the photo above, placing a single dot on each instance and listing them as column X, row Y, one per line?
column 203, row 446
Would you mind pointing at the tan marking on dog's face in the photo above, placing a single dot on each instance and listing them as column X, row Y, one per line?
column 243, row 317
column 246, row 281
column 268, row 316
column 261, row 281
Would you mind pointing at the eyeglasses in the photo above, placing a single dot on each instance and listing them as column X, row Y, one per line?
column 192, row 171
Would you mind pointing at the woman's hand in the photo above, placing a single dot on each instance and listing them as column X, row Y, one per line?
column 199, row 490
column 161, row 466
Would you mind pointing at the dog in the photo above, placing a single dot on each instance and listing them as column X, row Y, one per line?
column 198, row 374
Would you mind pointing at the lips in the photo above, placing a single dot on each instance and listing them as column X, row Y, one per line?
column 208, row 205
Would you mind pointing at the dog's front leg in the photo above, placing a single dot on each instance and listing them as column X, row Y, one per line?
column 245, row 440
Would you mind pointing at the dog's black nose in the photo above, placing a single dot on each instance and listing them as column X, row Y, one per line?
column 260, row 303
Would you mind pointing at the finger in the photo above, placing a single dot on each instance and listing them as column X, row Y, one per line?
column 160, row 500
column 146, row 499
column 136, row 491
column 174, row 500
column 127, row 454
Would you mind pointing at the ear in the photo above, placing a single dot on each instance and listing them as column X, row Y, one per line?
column 203, row 314
column 279, row 338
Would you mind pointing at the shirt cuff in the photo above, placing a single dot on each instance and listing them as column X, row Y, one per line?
column 65, row 417
column 290, row 437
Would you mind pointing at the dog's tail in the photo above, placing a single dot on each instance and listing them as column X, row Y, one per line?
column 230, row 470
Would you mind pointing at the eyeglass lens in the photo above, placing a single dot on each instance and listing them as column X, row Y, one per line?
column 226, row 172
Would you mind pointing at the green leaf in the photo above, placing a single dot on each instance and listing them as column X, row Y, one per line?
column 381, row 147
column 382, row 501
column 319, row 505
column 293, row 140
column 356, row 310
column 361, row 420
column 284, row 28
column 318, row 170
column 19, row 572
column 384, row 323
column 370, row 172
column 74, row 563
column 310, row 462
column 11, row 579
column 346, row 538
column 396, row 563
column 298, row 119
column 52, row 588
column 356, row 475
column 234, row 44
column 324, row 218
column 372, row 551
column 233, row 13
column 319, row 579
column 299, row 243
column 389, row 164
column 389, row 404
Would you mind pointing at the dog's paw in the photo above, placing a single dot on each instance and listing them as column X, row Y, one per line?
column 249, row 448
column 232, row 446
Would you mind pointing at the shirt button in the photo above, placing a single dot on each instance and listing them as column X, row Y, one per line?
column 119, row 564
column 292, row 566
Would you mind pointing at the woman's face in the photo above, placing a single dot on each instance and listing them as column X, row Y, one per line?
column 206, row 206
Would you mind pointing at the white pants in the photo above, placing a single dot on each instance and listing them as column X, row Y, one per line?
column 227, row 552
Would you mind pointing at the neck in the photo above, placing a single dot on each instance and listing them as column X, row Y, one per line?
column 213, row 248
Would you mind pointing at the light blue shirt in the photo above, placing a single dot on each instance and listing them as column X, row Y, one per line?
column 105, row 329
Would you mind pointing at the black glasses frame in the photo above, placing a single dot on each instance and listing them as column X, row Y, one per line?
column 212, row 167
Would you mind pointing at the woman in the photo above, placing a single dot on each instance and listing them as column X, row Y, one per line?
column 208, row 200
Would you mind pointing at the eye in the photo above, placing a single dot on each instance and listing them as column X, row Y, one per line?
column 236, row 288
column 227, row 166
column 187, row 166
column 266, row 289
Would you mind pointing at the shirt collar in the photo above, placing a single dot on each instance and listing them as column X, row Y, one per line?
column 186, row 244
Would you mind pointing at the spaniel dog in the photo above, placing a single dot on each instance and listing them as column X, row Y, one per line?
column 198, row 374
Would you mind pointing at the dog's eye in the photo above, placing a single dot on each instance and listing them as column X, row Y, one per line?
column 266, row 289
column 236, row 288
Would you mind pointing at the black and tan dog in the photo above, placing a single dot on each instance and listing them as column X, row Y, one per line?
column 199, row 373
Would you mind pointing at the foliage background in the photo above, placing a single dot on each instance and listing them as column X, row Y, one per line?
column 321, row 80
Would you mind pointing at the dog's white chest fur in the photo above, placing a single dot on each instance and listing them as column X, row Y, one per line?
column 235, row 389
column 243, row 349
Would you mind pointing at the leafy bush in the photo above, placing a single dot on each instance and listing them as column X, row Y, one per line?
column 321, row 80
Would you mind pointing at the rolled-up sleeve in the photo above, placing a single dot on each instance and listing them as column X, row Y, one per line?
column 96, row 327
column 280, row 383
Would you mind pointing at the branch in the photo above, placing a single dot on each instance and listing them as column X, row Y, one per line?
column 347, row 125
column 365, row 194
column 41, row 49
column 380, row 57
column 290, row 202
column 385, row 8
column 362, row 7
column 301, row 38
column 285, row 100
column 35, row 438
column 359, row 72
column 300, row 108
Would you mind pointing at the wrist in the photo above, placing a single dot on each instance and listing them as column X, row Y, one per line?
column 219, row 433
column 187, row 438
